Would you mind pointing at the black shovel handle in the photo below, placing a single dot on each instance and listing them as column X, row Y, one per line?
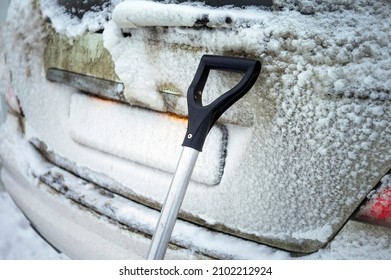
column 202, row 118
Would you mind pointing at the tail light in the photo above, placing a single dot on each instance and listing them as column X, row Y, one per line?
column 377, row 208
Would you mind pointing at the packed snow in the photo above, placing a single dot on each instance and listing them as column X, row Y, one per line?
column 314, row 138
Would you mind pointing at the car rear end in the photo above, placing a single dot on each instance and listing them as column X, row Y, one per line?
column 99, row 113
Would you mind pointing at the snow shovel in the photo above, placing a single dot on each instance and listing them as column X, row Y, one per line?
column 200, row 121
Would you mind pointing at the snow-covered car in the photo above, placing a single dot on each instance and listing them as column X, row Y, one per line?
column 96, row 94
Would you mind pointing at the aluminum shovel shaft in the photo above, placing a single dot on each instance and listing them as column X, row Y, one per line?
column 172, row 204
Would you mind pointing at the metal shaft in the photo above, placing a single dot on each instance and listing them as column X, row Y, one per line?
column 172, row 204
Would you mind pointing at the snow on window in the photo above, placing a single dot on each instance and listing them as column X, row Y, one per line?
column 74, row 21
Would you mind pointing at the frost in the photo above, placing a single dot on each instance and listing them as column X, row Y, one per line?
column 63, row 21
column 317, row 86
column 304, row 146
column 145, row 133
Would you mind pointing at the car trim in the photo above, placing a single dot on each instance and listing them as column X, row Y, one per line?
column 103, row 88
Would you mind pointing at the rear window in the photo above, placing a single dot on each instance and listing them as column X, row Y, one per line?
column 80, row 7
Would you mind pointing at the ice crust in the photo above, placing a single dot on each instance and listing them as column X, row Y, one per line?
column 317, row 138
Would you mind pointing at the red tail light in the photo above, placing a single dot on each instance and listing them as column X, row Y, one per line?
column 377, row 209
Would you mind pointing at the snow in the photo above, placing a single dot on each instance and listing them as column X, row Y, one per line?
column 355, row 241
column 145, row 132
column 315, row 134
column 15, row 149
column 145, row 14
column 18, row 239
column 320, row 91
column 137, row 216
column 72, row 25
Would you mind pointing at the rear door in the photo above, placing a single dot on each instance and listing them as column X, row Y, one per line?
column 291, row 161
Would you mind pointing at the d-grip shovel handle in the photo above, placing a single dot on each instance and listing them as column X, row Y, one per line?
column 202, row 118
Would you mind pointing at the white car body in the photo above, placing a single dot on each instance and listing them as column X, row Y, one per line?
column 287, row 166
